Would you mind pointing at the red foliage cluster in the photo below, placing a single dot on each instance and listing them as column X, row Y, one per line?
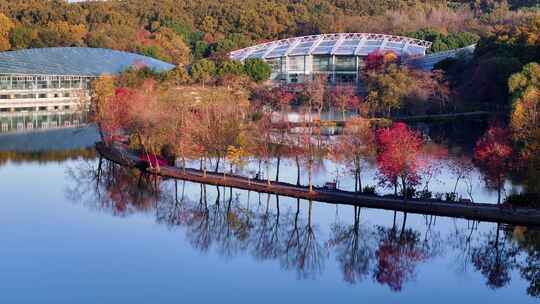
column 379, row 58
column 344, row 98
column 153, row 160
column 399, row 155
column 493, row 153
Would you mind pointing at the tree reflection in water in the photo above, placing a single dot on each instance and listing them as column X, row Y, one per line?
column 398, row 254
column 354, row 248
column 494, row 259
column 218, row 219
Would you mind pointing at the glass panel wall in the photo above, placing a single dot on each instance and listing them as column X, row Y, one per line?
column 345, row 63
column 297, row 63
column 322, row 63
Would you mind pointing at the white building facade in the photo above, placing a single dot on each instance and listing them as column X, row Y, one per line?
column 59, row 79
column 339, row 56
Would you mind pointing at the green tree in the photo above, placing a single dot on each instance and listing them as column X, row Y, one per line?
column 203, row 70
column 257, row 69
column 231, row 67
column 22, row 37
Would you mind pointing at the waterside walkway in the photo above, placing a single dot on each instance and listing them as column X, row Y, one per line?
column 474, row 211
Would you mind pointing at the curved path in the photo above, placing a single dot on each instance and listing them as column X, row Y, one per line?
column 480, row 212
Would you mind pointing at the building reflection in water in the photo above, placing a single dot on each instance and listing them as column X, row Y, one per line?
column 28, row 121
column 223, row 220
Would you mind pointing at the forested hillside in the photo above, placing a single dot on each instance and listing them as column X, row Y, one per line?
column 181, row 31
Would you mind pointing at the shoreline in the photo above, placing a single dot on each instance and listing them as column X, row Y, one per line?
column 473, row 211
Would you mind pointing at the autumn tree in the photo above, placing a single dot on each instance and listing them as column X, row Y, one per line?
column 387, row 90
column 103, row 93
column 344, row 97
column 316, row 90
column 398, row 157
column 493, row 153
column 525, row 91
column 461, row 167
column 6, row 25
column 174, row 46
column 356, row 144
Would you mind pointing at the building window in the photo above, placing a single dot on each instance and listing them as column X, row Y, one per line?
column 345, row 63
column 4, row 97
column 322, row 63
column 296, row 63
column 66, row 84
column 66, row 94
column 42, row 95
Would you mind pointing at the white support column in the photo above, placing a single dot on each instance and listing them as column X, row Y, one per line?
column 291, row 47
column 333, row 69
column 383, row 43
column 286, row 58
column 357, row 64
column 312, row 48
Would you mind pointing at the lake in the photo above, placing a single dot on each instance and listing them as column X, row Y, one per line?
column 72, row 234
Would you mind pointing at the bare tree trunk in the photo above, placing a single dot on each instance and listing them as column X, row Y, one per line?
column 310, row 165
column 499, row 189
column 355, row 181
column 357, row 173
column 297, row 170
column 277, row 169
column 404, row 221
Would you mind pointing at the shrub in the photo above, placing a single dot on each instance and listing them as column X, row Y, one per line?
column 450, row 197
column 523, row 199
column 257, row 69
column 408, row 192
column 369, row 190
column 424, row 194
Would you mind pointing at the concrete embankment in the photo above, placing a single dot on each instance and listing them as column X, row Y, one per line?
column 480, row 212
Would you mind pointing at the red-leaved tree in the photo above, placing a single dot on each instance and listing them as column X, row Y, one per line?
column 398, row 159
column 493, row 154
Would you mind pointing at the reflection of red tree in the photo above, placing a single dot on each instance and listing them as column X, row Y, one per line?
column 398, row 256
column 494, row 259
column 126, row 194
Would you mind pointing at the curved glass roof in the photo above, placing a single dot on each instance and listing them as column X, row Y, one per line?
column 359, row 44
column 74, row 61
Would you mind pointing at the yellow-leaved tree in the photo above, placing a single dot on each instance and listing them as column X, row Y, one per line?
column 525, row 91
column 6, row 25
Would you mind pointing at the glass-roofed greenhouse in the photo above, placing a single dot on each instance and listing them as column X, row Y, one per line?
column 339, row 56
column 59, row 78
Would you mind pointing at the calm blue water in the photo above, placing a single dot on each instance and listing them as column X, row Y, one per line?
column 67, row 238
